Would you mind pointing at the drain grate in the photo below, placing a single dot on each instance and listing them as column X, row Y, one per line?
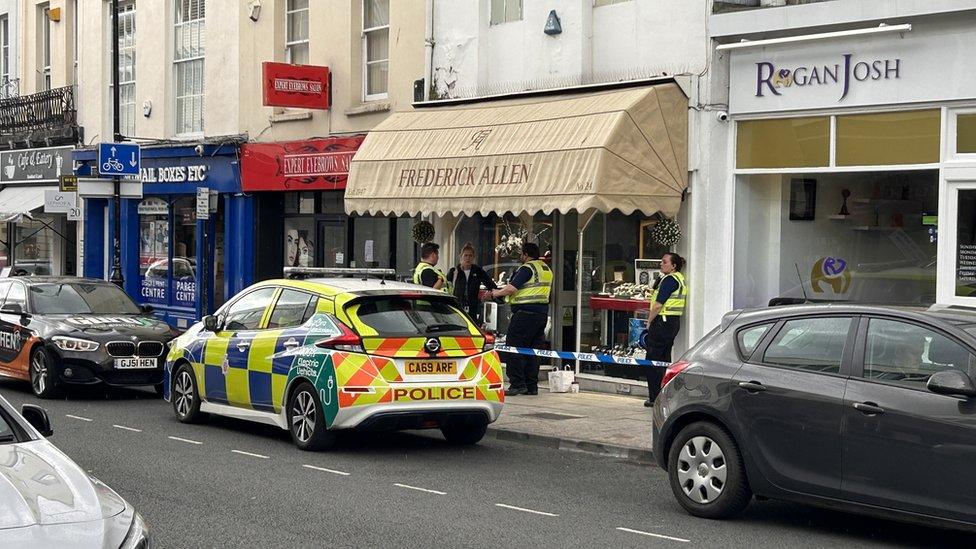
column 551, row 415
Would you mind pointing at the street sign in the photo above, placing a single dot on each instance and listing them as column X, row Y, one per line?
column 76, row 213
column 58, row 202
column 103, row 188
column 119, row 159
column 68, row 183
column 203, row 203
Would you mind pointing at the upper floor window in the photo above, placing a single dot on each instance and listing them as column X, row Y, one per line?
column 598, row 3
column 45, row 23
column 504, row 11
column 296, row 32
column 376, row 48
column 188, row 60
column 4, row 50
column 127, row 68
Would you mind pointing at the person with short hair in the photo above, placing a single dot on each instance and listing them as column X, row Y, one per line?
column 667, row 306
column 467, row 279
column 528, row 291
column 426, row 273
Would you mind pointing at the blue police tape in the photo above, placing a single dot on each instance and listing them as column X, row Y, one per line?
column 585, row 357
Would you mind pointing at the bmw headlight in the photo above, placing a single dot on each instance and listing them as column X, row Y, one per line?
column 74, row 344
column 138, row 536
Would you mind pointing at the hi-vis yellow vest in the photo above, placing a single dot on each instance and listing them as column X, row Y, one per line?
column 423, row 266
column 674, row 305
column 537, row 289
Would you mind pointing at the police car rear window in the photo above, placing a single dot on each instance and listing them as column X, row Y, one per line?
column 74, row 298
column 409, row 316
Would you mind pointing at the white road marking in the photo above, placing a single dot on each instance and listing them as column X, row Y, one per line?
column 524, row 510
column 408, row 487
column 653, row 535
column 243, row 453
column 78, row 417
column 333, row 471
column 186, row 440
column 133, row 429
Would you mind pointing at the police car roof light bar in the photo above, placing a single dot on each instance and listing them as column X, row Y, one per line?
column 306, row 272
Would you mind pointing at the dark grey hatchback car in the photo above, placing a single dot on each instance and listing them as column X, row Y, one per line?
column 862, row 408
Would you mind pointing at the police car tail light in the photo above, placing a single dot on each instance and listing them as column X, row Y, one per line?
column 74, row 344
column 673, row 370
column 348, row 340
column 489, row 342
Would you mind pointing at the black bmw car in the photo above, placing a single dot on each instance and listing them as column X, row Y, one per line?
column 59, row 331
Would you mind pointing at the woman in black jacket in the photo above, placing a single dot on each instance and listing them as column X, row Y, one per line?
column 468, row 279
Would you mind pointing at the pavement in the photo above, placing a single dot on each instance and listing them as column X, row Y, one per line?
column 230, row 483
column 594, row 423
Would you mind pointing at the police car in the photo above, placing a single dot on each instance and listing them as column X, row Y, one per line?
column 59, row 331
column 318, row 355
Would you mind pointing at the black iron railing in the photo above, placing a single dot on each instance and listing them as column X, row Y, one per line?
column 46, row 110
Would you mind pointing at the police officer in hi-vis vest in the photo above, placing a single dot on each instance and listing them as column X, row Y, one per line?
column 528, row 292
column 667, row 306
column 426, row 273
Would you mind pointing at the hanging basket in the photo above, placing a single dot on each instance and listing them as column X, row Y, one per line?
column 666, row 232
column 422, row 232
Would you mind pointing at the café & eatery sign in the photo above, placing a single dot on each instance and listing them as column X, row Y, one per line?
column 853, row 72
column 35, row 165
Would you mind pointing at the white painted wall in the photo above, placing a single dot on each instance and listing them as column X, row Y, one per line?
column 10, row 9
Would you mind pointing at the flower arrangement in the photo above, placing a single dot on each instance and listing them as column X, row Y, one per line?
column 422, row 232
column 666, row 232
column 511, row 242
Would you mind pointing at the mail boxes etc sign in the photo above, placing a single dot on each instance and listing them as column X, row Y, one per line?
column 929, row 63
column 297, row 86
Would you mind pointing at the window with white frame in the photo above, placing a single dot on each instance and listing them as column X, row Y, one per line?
column 188, row 55
column 4, row 50
column 376, row 48
column 504, row 11
column 46, row 46
column 296, row 32
column 598, row 3
column 127, row 68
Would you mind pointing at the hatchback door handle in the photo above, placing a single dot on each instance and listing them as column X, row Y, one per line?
column 752, row 386
column 868, row 408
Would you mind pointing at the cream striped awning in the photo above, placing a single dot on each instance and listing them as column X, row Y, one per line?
column 623, row 149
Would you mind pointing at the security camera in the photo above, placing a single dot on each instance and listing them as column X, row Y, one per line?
column 722, row 116
column 199, row 150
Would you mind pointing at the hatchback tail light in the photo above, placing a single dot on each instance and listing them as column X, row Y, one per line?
column 489, row 342
column 348, row 340
column 673, row 370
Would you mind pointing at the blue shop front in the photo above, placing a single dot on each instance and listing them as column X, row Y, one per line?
column 183, row 266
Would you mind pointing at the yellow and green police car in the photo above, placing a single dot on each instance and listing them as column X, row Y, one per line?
column 318, row 355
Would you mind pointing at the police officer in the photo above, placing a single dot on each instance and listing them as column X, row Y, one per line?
column 426, row 273
column 528, row 291
column 667, row 306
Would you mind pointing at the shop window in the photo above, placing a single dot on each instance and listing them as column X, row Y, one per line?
column 505, row 11
column 783, row 143
column 863, row 237
column 4, row 249
column 888, row 138
column 154, row 250
column 184, row 265
column 34, row 251
column 966, row 133
column 966, row 243
column 371, row 241
column 332, row 203
column 299, row 243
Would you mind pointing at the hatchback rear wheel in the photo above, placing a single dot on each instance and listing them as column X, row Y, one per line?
column 706, row 472
column 306, row 422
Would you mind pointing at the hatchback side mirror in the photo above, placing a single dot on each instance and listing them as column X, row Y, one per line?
column 37, row 417
column 210, row 323
column 952, row 382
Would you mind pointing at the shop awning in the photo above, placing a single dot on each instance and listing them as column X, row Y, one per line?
column 622, row 149
column 16, row 202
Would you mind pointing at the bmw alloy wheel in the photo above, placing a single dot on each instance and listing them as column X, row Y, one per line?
column 39, row 371
column 702, row 469
column 183, row 390
column 303, row 416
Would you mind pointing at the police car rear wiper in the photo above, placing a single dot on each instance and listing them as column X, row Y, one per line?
column 444, row 328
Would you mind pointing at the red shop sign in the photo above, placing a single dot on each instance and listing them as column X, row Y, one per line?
column 318, row 164
column 301, row 86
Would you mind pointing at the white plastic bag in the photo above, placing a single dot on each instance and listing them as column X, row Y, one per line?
column 561, row 380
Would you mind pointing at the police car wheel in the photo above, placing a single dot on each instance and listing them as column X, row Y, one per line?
column 185, row 397
column 306, row 422
column 42, row 374
column 464, row 433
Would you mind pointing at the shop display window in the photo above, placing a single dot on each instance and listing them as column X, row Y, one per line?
column 869, row 239
column 299, row 249
column 783, row 143
column 35, row 246
column 909, row 137
column 4, row 249
column 154, row 251
column 966, row 244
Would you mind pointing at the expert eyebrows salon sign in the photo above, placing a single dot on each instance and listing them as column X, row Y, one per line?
column 854, row 71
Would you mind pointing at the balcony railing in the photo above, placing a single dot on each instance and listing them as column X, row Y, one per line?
column 9, row 88
column 47, row 116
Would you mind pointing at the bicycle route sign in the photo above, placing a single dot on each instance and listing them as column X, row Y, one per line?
column 119, row 159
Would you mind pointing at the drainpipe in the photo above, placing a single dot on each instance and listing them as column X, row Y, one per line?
column 429, row 51
column 583, row 221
